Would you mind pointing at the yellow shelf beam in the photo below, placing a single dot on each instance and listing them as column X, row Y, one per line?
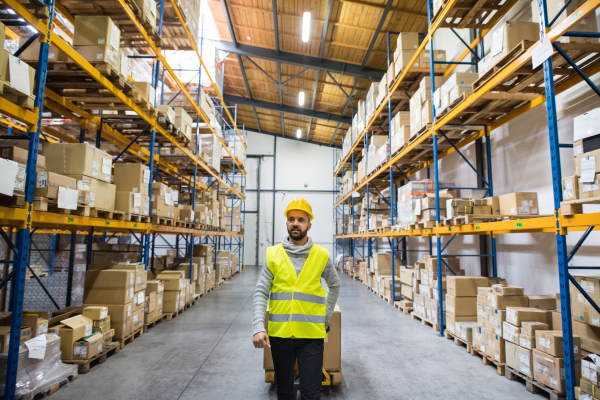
column 95, row 74
column 400, row 79
column 182, row 87
column 12, row 110
column 195, row 47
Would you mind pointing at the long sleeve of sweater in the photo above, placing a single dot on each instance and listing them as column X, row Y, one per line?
column 298, row 256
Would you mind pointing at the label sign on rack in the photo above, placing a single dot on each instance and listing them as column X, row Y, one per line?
column 542, row 53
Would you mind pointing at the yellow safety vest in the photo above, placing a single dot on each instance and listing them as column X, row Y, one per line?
column 297, row 303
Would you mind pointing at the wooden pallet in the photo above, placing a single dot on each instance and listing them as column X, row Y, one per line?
column 170, row 316
column 533, row 386
column 458, row 340
column 512, row 55
column 130, row 338
column 443, row 111
column 101, row 213
column 425, row 321
column 84, row 366
column 487, row 360
column 156, row 220
column 335, row 377
column 403, row 306
column 48, row 391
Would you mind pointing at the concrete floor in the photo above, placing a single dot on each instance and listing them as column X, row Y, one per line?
column 207, row 353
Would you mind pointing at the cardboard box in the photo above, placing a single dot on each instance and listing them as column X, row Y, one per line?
column 150, row 304
column 146, row 90
column 38, row 325
column 95, row 313
column 101, row 54
column 102, row 194
column 95, row 31
column 171, row 282
column 464, row 330
column 550, row 342
column 171, row 300
column 543, row 302
column 519, row 203
column 452, row 320
column 517, row 315
column 70, row 331
column 581, row 310
column 465, row 286
column 402, row 59
column 495, row 347
column 132, row 178
column 20, row 155
column 77, row 159
column 570, row 188
column 507, row 290
column 47, row 184
column 587, row 387
column 157, row 286
column 502, row 302
column 519, row 358
column 20, row 75
column 508, row 35
column 510, row 332
column 589, row 336
column 461, row 306
column 407, row 41
column 107, row 287
column 529, row 328
column 548, row 369
column 494, row 320
column 120, row 318
column 588, row 190
column 137, row 319
column 130, row 203
column 88, row 347
column 590, row 367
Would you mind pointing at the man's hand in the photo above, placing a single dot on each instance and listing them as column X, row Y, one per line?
column 260, row 340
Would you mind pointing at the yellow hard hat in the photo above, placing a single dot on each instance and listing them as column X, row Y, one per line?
column 299, row 204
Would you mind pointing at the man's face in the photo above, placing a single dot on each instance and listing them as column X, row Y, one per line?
column 298, row 224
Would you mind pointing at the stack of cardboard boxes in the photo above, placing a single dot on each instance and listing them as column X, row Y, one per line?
column 101, row 323
column 131, row 181
column 115, row 290
column 153, row 307
column 88, row 166
column 175, row 287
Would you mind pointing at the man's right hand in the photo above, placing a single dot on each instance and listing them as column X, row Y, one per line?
column 260, row 340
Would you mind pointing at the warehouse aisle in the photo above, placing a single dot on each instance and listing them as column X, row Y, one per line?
column 207, row 353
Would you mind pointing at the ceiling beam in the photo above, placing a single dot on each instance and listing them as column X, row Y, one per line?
column 377, row 31
column 229, row 24
column 276, row 26
column 296, row 139
column 398, row 10
column 325, row 30
column 337, row 67
column 304, row 112
column 256, row 118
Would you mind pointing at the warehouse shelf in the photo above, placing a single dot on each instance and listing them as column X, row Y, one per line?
column 107, row 84
column 112, row 129
column 569, row 65
column 396, row 92
column 125, row 7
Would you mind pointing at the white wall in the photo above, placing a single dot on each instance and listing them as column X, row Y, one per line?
column 299, row 167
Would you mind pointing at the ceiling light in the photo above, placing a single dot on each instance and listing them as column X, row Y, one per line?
column 248, row 37
column 306, row 26
column 299, row 133
column 301, row 99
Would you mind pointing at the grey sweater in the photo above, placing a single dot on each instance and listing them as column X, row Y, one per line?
column 298, row 256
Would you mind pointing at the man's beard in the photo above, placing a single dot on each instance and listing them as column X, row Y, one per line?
column 297, row 235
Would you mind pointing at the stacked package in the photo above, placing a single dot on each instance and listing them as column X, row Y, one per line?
column 13, row 164
column 101, row 326
column 174, row 294
column 131, row 181
column 113, row 289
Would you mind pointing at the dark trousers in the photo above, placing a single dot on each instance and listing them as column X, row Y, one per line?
column 309, row 353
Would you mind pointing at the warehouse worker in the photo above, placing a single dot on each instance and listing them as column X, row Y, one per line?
column 299, row 313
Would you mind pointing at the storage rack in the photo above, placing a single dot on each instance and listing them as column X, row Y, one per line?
column 576, row 68
column 25, row 221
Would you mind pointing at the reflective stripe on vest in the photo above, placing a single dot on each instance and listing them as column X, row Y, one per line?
column 297, row 302
column 309, row 298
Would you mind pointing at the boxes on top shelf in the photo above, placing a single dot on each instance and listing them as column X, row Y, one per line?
column 148, row 9
column 166, row 111
column 438, row 55
column 588, row 24
column 78, row 159
column 508, row 35
column 32, row 52
column 183, row 122
column 19, row 74
column 132, row 177
column 96, row 31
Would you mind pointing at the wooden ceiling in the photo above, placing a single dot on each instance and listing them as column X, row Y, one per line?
column 350, row 32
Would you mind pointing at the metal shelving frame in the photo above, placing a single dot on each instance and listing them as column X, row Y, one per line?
column 25, row 221
column 558, row 224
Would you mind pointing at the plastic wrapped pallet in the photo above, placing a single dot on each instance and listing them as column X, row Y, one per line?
column 212, row 146
column 38, row 375
column 370, row 106
column 409, row 197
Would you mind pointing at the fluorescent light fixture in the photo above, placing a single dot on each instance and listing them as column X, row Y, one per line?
column 299, row 133
column 301, row 99
column 306, row 26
